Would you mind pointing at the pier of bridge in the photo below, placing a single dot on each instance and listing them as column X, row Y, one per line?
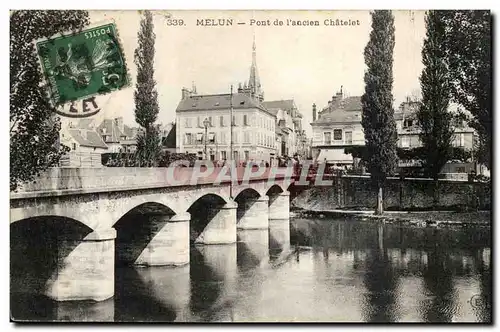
column 71, row 227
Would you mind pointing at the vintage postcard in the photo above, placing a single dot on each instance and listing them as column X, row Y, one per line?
column 250, row 166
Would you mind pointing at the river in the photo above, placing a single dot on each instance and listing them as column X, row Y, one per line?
column 329, row 271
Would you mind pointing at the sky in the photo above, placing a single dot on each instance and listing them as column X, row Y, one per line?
column 306, row 63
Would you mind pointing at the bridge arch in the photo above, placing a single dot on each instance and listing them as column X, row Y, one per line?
column 211, row 218
column 139, row 232
column 44, row 212
column 39, row 248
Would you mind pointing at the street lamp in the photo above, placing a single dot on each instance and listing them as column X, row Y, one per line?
column 206, row 122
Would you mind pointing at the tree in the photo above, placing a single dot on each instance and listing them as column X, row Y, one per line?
column 378, row 114
column 434, row 118
column 468, row 42
column 34, row 128
column 145, row 95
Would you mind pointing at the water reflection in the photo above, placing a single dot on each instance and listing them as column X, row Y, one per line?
column 340, row 271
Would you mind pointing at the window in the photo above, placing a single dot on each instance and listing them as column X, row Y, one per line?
column 235, row 137
column 211, row 138
column 348, row 137
column 199, row 138
column 235, row 155
column 245, row 120
column 405, row 142
column 247, row 155
column 223, row 155
column 200, row 155
column 200, row 124
column 211, row 124
column 408, row 123
column 234, row 120
column 221, row 119
column 188, row 139
column 459, row 140
column 223, row 138
column 246, row 137
column 74, row 146
column 327, row 138
column 337, row 134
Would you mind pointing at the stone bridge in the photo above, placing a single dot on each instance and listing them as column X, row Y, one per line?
column 77, row 224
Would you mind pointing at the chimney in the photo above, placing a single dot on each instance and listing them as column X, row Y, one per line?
column 314, row 112
column 185, row 93
column 119, row 123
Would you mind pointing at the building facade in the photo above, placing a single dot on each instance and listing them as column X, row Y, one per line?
column 335, row 127
column 205, row 128
column 338, row 126
column 261, row 130
column 85, row 144
column 118, row 136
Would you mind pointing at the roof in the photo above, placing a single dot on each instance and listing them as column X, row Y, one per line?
column 347, row 110
column 217, row 102
column 85, row 124
column 86, row 137
column 113, row 130
column 279, row 104
column 339, row 117
column 169, row 141
column 129, row 132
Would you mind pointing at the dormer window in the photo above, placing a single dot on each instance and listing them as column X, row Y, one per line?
column 242, row 102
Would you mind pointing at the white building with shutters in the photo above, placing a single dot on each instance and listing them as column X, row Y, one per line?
column 262, row 131
column 253, row 127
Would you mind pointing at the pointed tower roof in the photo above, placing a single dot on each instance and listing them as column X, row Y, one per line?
column 254, row 81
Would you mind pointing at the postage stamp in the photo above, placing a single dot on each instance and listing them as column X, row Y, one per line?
column 83, row 64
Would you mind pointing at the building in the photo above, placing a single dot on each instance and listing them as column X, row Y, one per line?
column 85, row 143
column 168, row 137
column 262, row 131
column 338, row 126
column 335, row 127
column 118, row 136
column 289, row 134
column 205, row 130
column 409, row 131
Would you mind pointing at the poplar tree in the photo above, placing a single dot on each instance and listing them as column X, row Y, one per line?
column 468, row 42
column 434, row 119
column 34, row 128
column 146, row 96
column 378, row 114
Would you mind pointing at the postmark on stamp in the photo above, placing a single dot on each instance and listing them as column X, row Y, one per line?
column 82, row 65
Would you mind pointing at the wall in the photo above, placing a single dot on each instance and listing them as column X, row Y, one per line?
column 357, row 192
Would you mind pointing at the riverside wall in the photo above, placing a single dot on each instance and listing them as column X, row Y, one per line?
column 357, row 192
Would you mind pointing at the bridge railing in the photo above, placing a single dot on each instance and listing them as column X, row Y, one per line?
column 107, row 178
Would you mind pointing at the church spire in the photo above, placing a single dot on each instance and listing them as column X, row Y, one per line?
column 254, row 81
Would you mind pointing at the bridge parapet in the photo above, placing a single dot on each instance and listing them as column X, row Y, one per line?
column 61, row 181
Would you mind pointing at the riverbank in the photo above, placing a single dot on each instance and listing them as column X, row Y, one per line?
column 415, row 218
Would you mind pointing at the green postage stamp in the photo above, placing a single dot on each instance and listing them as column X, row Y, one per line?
column 83, row 64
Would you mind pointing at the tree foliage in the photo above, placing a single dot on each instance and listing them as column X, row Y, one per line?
column 468, row 42
column 378, row 114
column 34, row 128
column 434, row 118
column 148, row 147
column 145, row 94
